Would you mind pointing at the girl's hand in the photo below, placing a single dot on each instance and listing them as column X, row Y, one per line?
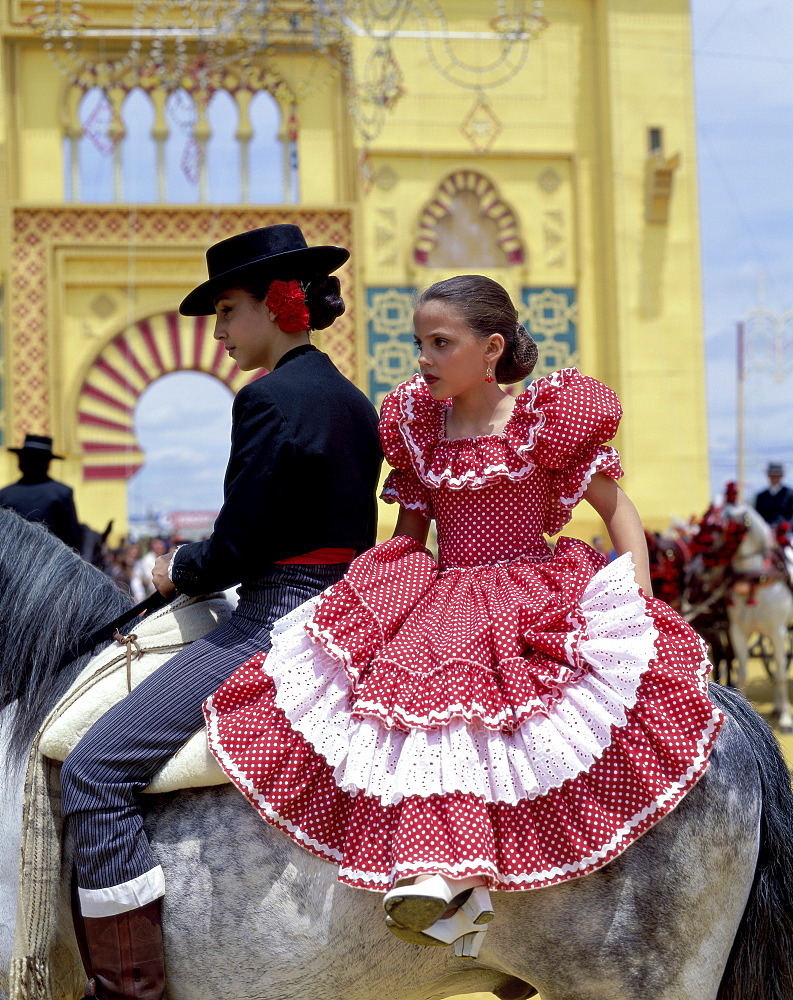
column 623, row 524
column 159, row 575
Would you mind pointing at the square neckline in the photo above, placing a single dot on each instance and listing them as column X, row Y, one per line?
column 445, row 406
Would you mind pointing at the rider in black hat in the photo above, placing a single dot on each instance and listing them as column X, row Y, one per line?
column 37, row 497
column 775, row 504
column 298, row 505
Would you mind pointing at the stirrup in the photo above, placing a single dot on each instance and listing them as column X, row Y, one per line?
column 458, row 930
column 420, row 904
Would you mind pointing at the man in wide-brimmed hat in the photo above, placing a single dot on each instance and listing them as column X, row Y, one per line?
column 37, row 497
column 776, row 503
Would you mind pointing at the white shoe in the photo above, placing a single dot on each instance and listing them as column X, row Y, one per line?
column 468, row 945
column 458, row 929
column 478, row 907
column 420, row 904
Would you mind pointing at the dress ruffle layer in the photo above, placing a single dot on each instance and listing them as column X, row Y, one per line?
column 487, row 644
column 584, row 774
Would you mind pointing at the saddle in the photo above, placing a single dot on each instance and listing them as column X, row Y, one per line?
column 104, row 681
column 114, row 672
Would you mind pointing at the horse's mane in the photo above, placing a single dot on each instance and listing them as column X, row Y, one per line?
column 50, row 599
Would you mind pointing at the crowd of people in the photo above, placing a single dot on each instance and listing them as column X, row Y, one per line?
column 131, row 564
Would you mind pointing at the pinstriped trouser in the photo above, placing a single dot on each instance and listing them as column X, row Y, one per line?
column 122, row 751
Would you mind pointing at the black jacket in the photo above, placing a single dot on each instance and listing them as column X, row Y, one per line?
column 775, row 507
column 47, row 501
column 304, row 465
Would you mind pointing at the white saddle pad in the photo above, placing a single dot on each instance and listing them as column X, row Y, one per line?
column 105, row 681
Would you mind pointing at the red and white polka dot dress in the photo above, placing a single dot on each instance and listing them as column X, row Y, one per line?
column 514, row 712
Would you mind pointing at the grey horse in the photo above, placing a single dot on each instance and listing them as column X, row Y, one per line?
column 699, row 908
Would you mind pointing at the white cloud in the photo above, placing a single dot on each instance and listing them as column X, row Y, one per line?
column 183, row 423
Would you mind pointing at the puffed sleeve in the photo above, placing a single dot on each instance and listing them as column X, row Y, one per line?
column 402, row 484
column 242, row 540
column 576, row 415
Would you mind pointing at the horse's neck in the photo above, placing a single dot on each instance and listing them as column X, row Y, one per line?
column 11, row 794
column 756, row 543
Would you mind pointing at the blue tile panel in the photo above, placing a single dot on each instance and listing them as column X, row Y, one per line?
column 389, row 329
column 551, row 317
column 549, row 314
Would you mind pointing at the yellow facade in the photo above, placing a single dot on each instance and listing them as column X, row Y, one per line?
column 572, row 181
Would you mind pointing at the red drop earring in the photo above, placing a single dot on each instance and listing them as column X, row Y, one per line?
column 489, row 375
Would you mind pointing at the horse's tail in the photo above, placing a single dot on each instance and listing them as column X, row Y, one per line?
column 760, row 966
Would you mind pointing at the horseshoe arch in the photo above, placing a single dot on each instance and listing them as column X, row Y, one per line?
column 117, row 377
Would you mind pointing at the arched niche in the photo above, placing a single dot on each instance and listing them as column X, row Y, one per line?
column 486, row 225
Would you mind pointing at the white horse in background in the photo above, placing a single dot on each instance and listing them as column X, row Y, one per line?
column 760, row 601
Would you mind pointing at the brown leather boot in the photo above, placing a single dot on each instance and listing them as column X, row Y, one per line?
column 125, row 959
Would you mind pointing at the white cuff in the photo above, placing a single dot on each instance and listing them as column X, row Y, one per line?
column 170, row 564
column 130, row 895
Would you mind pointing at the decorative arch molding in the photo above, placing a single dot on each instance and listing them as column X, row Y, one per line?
column 117, row 377
column 491, row 205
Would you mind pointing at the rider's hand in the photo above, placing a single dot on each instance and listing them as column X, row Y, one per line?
column 159, row 575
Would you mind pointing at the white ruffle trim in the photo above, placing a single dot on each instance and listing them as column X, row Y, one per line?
column 477, row 478
column 606, row 454
column 606, row 852
column 314, row 692
column 391, row 495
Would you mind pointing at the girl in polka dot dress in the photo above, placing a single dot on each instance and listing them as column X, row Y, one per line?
column 509, row 717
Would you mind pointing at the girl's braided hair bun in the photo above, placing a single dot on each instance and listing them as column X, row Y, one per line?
column 486, row 308
column 324, row 301
column 519, row 357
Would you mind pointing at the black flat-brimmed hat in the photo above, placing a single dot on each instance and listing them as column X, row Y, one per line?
column 270, row 252
column 36, row 444
column 775, row 469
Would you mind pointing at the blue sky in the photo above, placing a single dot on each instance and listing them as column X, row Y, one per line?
column 744, row 111
column 744, row 107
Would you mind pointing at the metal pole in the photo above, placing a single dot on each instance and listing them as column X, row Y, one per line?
column 739, row 408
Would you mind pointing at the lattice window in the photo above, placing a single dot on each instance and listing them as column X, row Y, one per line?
column 267, row 153
column 180, row 148
column 94, row 175
column 148, row 146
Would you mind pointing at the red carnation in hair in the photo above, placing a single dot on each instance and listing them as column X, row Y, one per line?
column 287, row 301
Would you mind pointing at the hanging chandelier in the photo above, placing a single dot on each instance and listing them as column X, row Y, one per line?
column 201, row 40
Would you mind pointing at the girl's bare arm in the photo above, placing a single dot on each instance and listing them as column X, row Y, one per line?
column 623, row 524
column 413, row 524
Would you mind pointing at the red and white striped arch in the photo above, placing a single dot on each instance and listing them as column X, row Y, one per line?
column 139, row 355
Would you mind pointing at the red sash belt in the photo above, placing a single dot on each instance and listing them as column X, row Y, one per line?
column 319, row 557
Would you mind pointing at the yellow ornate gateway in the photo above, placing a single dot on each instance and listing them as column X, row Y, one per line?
column 551, row 147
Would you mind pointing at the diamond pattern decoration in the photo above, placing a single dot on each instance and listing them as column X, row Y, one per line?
column 481, row 126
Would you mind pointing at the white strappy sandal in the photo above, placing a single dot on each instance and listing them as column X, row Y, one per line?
column 418, row 905
column 415, row 913
column 458, row 930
